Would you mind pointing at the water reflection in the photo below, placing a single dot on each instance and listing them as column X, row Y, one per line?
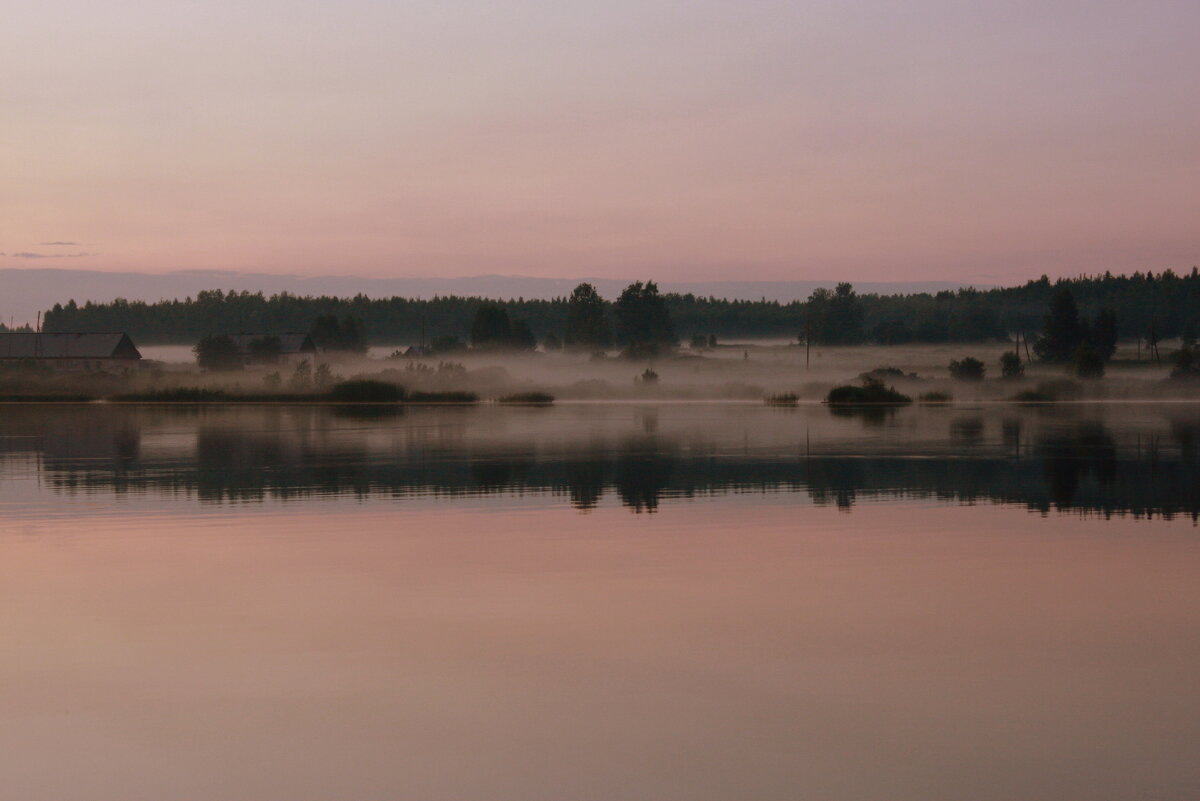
column 1140, row 460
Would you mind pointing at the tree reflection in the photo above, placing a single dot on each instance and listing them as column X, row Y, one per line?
column 586, row 480
column 1042, row 461
column 1069, row 457
column 642, row 474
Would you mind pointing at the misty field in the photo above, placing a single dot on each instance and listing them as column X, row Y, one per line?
column 748, row 371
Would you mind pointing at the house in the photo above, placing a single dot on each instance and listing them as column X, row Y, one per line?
column 259, row 348
column 70, row 351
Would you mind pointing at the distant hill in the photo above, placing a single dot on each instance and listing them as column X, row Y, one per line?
column 23, row 293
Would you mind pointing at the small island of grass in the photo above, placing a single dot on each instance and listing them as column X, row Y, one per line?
column 366, row 390
column 1033, row 396
column 871, row 392
column 936, row 398
column 454, row 396
column 528, row 399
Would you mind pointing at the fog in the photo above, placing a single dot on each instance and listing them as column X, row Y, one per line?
column 736, row 371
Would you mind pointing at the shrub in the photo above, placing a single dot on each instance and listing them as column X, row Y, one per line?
column 782, row 399
column 1187, row 363
column 366, row 390
column 1050, row 392
column 443, row 397
column 323, row 377
column 871, row 391
column 1033, row 396
column 936, row 397
column 539, row 398
column 649, row 377
column 177, row 395
column 1088, row 363
column 969, row 369
column 883, row 373
column 301, row 379
column 1010, row 365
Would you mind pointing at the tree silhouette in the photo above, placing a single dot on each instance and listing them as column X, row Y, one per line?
column 644, row 326
column 1088, row 362
column 835, row 318
column 1062, row 332
column 969, row 369
column 1010, row 365
column 962, row 315
column 1102, row 334
column 345, row 334
column 491, row 327
column 522, row 338
column 265, row 349
column 217, row 353
column 587, row 325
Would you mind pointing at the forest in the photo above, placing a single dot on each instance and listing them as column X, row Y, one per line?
column 1160, row 306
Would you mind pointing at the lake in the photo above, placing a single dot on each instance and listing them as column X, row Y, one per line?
column 599, row 601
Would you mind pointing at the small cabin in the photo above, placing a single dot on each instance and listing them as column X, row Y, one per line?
column 70, row 351
column 259, row 348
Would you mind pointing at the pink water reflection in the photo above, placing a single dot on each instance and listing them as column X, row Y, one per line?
column 723, row 651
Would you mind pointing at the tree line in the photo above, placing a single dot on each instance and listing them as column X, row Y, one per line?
column 1147, row 305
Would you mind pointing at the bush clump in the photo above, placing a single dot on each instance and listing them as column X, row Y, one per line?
column 443, row 397
column 969, row 369
column 886, row 372
column 782, row 399
column 1010, row 365
column 1187, row 364
column 540, row 398
column 1049, row 392
column 1088, row 363
column 177, row 395
column 365, row 390
column 936, row 398
column 871, row 391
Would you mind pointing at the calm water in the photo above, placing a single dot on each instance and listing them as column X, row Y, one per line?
column 599, row 602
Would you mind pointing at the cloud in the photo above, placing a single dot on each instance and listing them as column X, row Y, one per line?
column 27, row 255
column 51, row 244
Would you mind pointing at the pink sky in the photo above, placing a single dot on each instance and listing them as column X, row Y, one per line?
column 872, row 140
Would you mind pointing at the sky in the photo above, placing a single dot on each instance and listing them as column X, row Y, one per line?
column 984, row 142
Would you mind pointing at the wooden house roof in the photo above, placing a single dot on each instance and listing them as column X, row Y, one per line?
column 81, row 345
